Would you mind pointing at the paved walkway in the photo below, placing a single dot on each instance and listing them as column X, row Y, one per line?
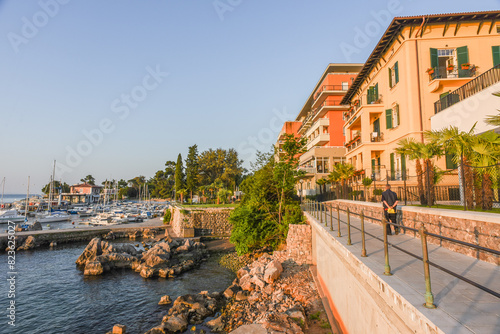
column 461, row 307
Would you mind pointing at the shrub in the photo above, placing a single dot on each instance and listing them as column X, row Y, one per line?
column 167, row 217
column 377, row 192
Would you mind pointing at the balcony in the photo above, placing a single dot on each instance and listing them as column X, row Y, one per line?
column 474, row 86
column 353, row 143
column 376, row 137
column 319, row 140
column 453, row 73
column 307, row 170
column 328, row 90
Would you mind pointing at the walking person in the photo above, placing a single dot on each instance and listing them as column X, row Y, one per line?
column 390, row 201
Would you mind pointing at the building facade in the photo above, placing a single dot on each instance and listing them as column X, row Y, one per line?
column 83, row 193
column 320, row 121
column 417, row 62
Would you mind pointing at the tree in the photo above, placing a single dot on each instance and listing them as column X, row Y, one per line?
column 408, row 147
column 486, row 156
column 494, row 119
column 342, row 173
column 269, row 204
column 220, row 164
column 179, row 175
column 192, row 170
column 367, row 182
column 458, row 143
column 88, row 179
column 64, row 188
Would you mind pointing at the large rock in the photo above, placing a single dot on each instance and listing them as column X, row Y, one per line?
column 176, row 324
column 165, row 300
column 98, row 247
column 107, row 262
column 273, row 271
column 158, row 255
column 28, row 244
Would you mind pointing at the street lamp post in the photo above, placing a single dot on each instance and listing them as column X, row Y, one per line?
column 301, row 189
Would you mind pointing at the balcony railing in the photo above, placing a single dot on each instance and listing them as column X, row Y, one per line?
column 323, row 88
column 474, row 86
column 376, row 137
column 444, row 73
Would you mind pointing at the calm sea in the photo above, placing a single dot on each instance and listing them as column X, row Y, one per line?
column 53, row 296
column 10, row 198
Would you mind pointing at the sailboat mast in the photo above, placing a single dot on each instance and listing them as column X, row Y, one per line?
column 3, row 189
column 27, row 200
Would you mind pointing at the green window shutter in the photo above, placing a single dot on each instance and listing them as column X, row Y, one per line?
column 462, row 58
column 370, row 95
column 496, row 55
column 397, row 114
column 393, row 171
column 388, row 118
column 390, row 77
column 396, row 72
column 375, row 92
column 403, row 166
column 434, row 59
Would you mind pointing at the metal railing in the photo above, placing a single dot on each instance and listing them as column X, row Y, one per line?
column 323, row 88
column 474, row 86
column 319, row 211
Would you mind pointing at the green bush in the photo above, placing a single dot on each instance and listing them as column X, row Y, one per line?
column 167, row 217
column 377, row 192
column 367, row 182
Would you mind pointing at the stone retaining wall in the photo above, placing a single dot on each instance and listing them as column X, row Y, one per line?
column 201, row 221
column 299, row 244
column 478, row 228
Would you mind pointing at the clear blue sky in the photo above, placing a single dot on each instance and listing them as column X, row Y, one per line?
column 233, row 72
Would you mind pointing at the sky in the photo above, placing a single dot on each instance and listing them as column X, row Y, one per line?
column 116, row 88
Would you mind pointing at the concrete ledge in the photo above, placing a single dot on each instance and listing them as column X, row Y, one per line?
column 365, row 301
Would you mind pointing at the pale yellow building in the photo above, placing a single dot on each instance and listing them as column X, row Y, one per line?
column 417, row 61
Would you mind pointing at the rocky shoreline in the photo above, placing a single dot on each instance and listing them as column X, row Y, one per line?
column 272, row 294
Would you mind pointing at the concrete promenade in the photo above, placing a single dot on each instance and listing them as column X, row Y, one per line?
column 461, row 307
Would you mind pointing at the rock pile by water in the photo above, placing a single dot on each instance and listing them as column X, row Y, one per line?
column 163, row 259
column 272, row 294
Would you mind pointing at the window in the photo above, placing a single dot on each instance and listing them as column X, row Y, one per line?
column 372, row 94
column 395, row 116
column 394, row 75
column 345, row 85
column 496, row 55
column 447, row 63
column 392, row 119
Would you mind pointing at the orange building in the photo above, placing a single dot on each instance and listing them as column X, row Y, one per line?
column 322, row 124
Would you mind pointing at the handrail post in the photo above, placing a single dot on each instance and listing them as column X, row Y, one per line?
column 326, row 215
column 429, row 297
column 387, row 267
column 331, row 217
column 363, row 246
column 315, row 209
column 321, row 213
column 348, row 227
column 338, row 221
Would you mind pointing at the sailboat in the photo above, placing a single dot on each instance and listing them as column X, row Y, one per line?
column 52, row 217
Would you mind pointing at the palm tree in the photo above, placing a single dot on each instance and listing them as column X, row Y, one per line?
column 342, row 173
column 182, row 192
column 494, row 119
column 486, row 154
column 411, row 149
column 334, row 178
column 322, row 185
column 458, row 143
column 428, row 152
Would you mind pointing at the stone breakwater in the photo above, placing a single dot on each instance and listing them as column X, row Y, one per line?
column 164, row 258
column 272, row 295
column 30, row 241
